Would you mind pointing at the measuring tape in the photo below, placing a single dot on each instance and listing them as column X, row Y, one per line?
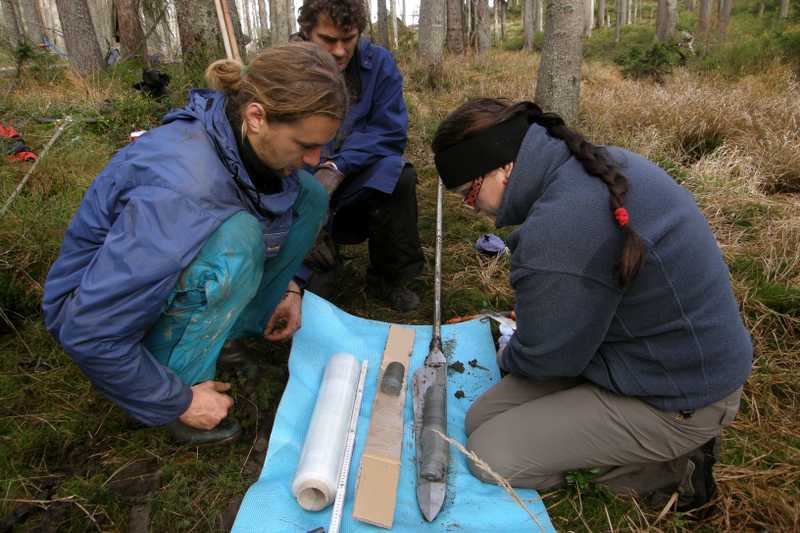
column 341, row 487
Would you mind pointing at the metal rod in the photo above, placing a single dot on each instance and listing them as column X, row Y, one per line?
column 437, row 284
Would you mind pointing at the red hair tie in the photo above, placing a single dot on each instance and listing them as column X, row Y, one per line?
column 621, row 214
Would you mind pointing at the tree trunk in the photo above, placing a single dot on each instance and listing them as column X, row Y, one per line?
column 703, row 23
column 540, row 15
column 620, row 20
column 600, row 20
column 431, row 38
column 248, row 22
column 724, row 17
column 666, row 20
column 528, row 21
column 468, row 23
column 496, row 24
column 292, row 16
column 558, row 87
column 588, row 18
column 368, row 31
column 279, row 19
column 263, row 21
column 30, row 20
column 784, row 12
column 455, row 30
column 383, row 26
column 393, row 18
column 11, row 28
column 80, row 36
column 198, row 25
column 503, row 13
column 131, row 35
column 690, row 5
column 483, row 33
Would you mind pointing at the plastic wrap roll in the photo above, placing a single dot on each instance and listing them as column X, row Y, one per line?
column 317, row 474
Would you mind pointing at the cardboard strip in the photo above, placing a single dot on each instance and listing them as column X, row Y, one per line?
column 376, row 488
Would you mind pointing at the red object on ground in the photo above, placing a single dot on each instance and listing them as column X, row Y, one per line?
column 23, row 156
column 8, row 131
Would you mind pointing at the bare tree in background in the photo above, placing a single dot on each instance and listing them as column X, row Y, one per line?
column 483, row 35
column 600, row 19
column 455, row 29
column 292, row 13
column 131, row 35
column 432, row 37
column 588, row 17
column 528, row 21
column 279, row 19
column 264, row 23
column 558, row 86
column 12, row 32
column 383, row 26
column 79, row 35
column 622, row 8
column 667, row 19
column 393, row 19
column 724, row 19
column 784, row 11
column 704, row 23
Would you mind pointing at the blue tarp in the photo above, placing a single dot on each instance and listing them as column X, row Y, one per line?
column 471, row 505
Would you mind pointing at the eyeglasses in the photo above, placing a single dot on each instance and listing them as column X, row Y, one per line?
column 472, row 193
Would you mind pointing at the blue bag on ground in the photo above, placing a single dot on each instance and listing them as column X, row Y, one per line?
column 471, row 505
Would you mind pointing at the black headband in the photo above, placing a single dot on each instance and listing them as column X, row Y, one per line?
column 492, row 148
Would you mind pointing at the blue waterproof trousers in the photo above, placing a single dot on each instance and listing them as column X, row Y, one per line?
column 229, row 290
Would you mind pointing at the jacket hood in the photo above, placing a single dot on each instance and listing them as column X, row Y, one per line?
column 208, row 107
column 534, row 169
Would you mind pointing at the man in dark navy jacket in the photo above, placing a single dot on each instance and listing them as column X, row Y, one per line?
column 372, row 188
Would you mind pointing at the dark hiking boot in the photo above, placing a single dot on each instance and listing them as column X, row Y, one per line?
column 402, row 299
column 236, row 353
column 226, row 432
column 699, row 488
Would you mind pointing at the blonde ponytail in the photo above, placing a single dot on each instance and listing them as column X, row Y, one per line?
column 225, row 75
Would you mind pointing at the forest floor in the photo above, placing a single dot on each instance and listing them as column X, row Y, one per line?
column 72, row 461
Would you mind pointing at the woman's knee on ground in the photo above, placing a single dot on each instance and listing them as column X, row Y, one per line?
column 476, row 415
column 493, row 457
column 236, row 255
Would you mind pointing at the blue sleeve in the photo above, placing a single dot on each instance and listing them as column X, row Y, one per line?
column 561, row 321
column 385, row 131
column 122, row 292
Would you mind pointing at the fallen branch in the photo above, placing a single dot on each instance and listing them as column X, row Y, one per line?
column 52, row 140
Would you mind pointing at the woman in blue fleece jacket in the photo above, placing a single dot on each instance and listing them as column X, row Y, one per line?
column 630, row 352
column 191, row 235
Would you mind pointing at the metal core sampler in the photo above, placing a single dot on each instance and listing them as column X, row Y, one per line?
column 430, row 402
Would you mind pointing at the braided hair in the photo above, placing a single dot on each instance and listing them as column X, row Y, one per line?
column 478, row 114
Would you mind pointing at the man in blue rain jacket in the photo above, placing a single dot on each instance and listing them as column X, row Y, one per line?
column 373, row 189
column 191, row 235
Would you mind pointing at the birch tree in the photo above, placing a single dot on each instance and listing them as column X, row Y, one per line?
column 393, row 19
column 588, row 18
column 667, row 19
column 131, row 35
column 455, row 29
column 558, row 86
column 80, row 36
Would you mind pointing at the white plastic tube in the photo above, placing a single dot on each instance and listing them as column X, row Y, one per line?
column 317, row 474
